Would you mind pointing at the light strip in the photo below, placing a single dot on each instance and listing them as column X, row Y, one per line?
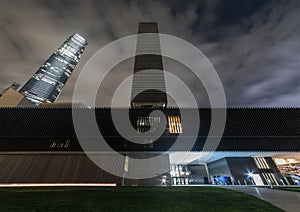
column 55, row 184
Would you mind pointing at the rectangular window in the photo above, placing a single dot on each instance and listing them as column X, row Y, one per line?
column 175, row 126
column 144, row 124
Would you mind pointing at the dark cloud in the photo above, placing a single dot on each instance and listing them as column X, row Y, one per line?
column 253, row 44
column 264, row 63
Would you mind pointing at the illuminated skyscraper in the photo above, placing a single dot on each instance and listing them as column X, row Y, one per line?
column 148, row 87
column 47, row 83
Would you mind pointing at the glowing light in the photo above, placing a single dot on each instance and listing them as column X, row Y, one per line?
column 290, row 160
column 250, row 174
column 280, row 161
column 164, row 180
column 175, row 126
column 55, row 184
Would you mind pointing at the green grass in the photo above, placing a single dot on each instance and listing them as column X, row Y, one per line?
column 129, row 199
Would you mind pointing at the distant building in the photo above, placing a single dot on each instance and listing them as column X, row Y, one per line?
column 47, row 83
column 148, row 88
column 10, row 97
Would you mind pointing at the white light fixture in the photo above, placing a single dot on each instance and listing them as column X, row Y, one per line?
column 250, row 174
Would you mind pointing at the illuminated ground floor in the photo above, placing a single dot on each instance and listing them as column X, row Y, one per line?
column 219, row 168
column 235, row 168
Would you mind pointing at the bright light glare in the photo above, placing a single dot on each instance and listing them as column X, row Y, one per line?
column 250, row 174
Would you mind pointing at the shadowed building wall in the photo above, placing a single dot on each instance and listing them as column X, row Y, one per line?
column 148, row 87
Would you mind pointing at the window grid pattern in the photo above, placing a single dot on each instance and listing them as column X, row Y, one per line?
column 175, row 126
column 144, row 124
column 47, row 83
column 148, row 87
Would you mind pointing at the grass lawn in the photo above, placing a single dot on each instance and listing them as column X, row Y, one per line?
column 129, row 199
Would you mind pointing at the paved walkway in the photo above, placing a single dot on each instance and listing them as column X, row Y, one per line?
column 286, row 200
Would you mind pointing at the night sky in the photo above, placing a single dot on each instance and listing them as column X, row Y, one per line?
column 253, row 44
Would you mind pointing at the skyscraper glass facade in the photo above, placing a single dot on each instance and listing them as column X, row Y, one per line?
column 47, row 83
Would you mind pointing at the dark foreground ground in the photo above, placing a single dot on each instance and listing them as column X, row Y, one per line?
column 129, row 199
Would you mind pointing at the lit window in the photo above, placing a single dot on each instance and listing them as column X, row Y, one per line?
column 144, row 124
column 261, row 163
column 174, row 125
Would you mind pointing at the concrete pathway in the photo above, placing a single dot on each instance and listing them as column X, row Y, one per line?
column 286, row 200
